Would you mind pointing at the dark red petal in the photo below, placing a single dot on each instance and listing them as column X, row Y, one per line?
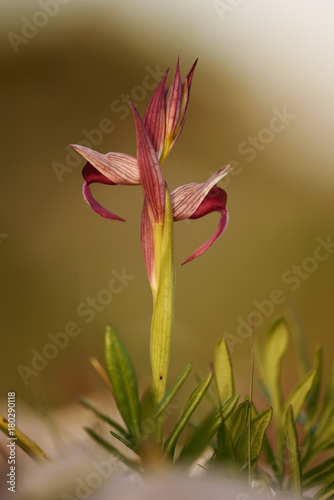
column 91, row 175
column 155, row 117
column 150, row 172
column 148, row 245
column 215, row 201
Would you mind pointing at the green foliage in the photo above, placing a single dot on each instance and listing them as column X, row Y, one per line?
column 223, row 372
column 189, row 408
column 293, row 450
column 303, row 422
column 259, row 426
column 123, row 381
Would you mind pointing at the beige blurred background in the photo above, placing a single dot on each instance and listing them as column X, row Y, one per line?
column 65, row 78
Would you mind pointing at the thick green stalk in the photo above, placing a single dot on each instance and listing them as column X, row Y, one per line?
column 163, row 312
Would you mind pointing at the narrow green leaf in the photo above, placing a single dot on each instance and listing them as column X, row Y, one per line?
column 275, row 345
column 259, row 426
column 172, row 391
column 239, row 421
column 111, row 449
column 324, row 430
column 103, row 416
column 133, row 445
column 328, row 399
column 298, row 395
column 327, row 491
column 319, row 474
column 293, row 450
column 24, row 442
column 123, row 381
column 203, row 434
column 223, row 372
column 225, row 448
column 312, row 452
column 313, row 397
column 189, row 408
column 253, row 463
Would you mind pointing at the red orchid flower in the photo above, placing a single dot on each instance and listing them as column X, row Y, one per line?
column 156, row 135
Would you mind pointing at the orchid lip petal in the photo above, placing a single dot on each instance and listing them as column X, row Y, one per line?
column 193, row 201
column 155, row 116
column 151, row 178
column 186, row 199
column 92, row 175
column 215, row 201
column 120, row 168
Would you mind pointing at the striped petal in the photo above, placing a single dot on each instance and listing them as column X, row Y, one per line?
column 91, row 175
column 193, row 201
column 151, row 179
column 120, row 168
column 148, row 245
column 155, row 117
column 174, row 103
column 184, row 101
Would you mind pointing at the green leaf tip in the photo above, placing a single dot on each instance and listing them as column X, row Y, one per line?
column 293, row 451
column 223, row 371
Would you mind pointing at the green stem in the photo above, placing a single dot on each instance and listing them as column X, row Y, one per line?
column 163, row 313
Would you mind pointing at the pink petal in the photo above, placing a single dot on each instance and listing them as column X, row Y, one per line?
column 120, row 168
column 184, row 100
column 155, row 117
column 174, row 103
column 193, row 201
column 91, row 175
column 150, row 172
column 148, row 245
column 186, row 199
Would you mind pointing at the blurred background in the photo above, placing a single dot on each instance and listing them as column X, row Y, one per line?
column 261, row 100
